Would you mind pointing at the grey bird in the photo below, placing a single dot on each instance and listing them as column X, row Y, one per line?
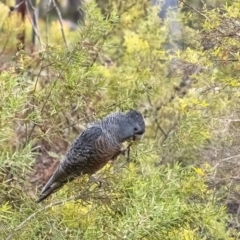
column 99, row 143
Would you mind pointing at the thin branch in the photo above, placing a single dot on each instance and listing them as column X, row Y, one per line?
column 60, row 20
column 203, row 3
column 47, row 20
column 160, row 128
column 75, row 198
column 16, row 6
column 33, row 26
column 47, row 98
column 156, row 121
column 35, row 20
column 226, row 159
column 21, row 9
column 227, row 60
column 128, row 151
column 194, row 9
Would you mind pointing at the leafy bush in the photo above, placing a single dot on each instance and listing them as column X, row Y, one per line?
column 116, row 63
column 140, row 202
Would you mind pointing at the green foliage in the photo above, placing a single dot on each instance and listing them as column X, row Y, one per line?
column 116, row 61
column 171, row 203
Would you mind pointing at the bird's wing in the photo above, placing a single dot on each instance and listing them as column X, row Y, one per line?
column 84, row 146
column 79, row 152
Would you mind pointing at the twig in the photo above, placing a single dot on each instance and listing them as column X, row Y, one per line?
column 194, row 9
column 45, row 102
column 38, row 77
column 33, row 25
column 49, row 94
column 47, row 20
column 16, row 6
column 128, row 151
column 60, row 20
column 35, row 20
column 161, row 129
column 226, row 159
column 21, row 225
column 156, row 121
column 21, row 9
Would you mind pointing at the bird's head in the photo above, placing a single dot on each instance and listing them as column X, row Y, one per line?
column 125, row 126
column 132, row 126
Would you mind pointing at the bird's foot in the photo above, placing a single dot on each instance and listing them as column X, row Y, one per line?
column 123, row 152
column 99, row 181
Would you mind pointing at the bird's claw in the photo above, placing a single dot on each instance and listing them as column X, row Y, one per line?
column 99, row 181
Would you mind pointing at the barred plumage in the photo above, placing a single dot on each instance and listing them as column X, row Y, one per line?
column 100, row 142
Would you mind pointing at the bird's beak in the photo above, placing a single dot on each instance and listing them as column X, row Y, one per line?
column 138, row 137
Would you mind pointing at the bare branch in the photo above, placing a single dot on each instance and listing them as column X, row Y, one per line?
column 75, row 198
column 21, row 9
column 194, row 9
column 60, row 20
column 47, row 20
column 16, row 6
column 35, row 20
column 156, row 121
column 32, row 23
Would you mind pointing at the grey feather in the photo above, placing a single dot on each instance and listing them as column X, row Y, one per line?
column 100, row 142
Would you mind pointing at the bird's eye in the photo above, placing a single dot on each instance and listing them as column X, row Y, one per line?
column 135, row 129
